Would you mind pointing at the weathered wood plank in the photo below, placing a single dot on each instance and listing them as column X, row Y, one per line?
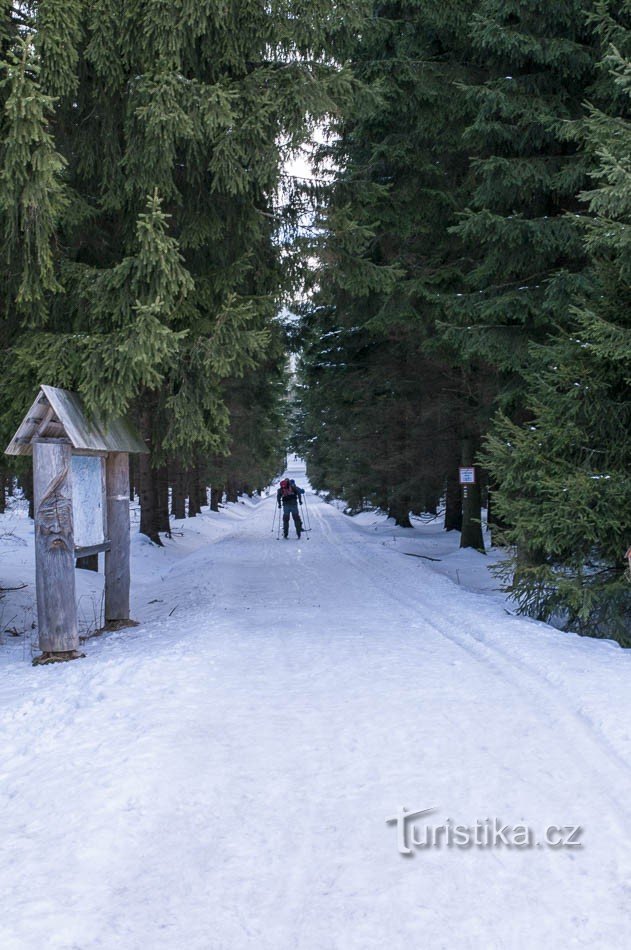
column 89, row 549
column 21, row 442
column 54, row 547
column 91, row 432
column 47, row 415
column 70, row 419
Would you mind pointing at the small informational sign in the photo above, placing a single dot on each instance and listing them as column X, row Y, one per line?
column 87, row 500
column 467, row 476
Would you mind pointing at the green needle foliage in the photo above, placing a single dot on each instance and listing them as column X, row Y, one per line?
column 32, row 191
column 475, row 257
column 566, row 477
column 385, row 405
column 527, row 262
column 141, row 159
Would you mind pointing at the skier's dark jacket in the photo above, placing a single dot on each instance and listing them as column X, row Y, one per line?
column 289, row 501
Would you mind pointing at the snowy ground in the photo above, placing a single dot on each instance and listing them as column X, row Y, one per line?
column 220, row 776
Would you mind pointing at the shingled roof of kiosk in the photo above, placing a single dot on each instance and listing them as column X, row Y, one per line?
column 59, row 414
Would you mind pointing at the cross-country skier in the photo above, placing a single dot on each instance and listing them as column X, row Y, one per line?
column 289, row 496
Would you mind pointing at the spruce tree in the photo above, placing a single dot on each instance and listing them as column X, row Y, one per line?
column 32, row 193
column 565, row 482
column 384, row 401
column 536, row 65
column 142, row 153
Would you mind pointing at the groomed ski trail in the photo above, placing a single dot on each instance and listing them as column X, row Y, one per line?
column 220, row 778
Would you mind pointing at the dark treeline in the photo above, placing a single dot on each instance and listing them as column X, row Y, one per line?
column 471, row 302
column 471, row 299
column 143, row 251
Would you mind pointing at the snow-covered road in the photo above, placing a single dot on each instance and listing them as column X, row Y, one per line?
column 221, row 777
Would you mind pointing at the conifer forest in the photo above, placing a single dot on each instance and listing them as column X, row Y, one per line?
column 392, row 238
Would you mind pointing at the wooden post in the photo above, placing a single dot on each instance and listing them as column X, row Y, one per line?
column 54, row 548
column 117, row 577
column 471, row 532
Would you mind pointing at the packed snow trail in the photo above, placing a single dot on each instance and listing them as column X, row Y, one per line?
column 221, row 778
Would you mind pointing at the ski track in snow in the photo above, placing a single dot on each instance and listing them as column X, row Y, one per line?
column 220, row 778
column 530, row 681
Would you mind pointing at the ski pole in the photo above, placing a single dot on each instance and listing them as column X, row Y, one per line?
column 274, row 519
column 307, row 515
column 306, row 523
column 306, row 529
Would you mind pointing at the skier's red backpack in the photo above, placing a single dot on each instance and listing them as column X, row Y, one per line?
column 286, row 488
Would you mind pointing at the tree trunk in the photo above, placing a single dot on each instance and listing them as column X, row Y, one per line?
column 232, row 493
column 149, row 524
column 432, row 499
column 495, row 524
column 471, row 535
column 399, row 509
column 215, row 498
column 453, row 504
column 133, row 468
column 147, row 484
column 178, row 493
column 117, row 571
column 202, row 489
column 26, row 482
column 162, row 499
column 191, row 490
